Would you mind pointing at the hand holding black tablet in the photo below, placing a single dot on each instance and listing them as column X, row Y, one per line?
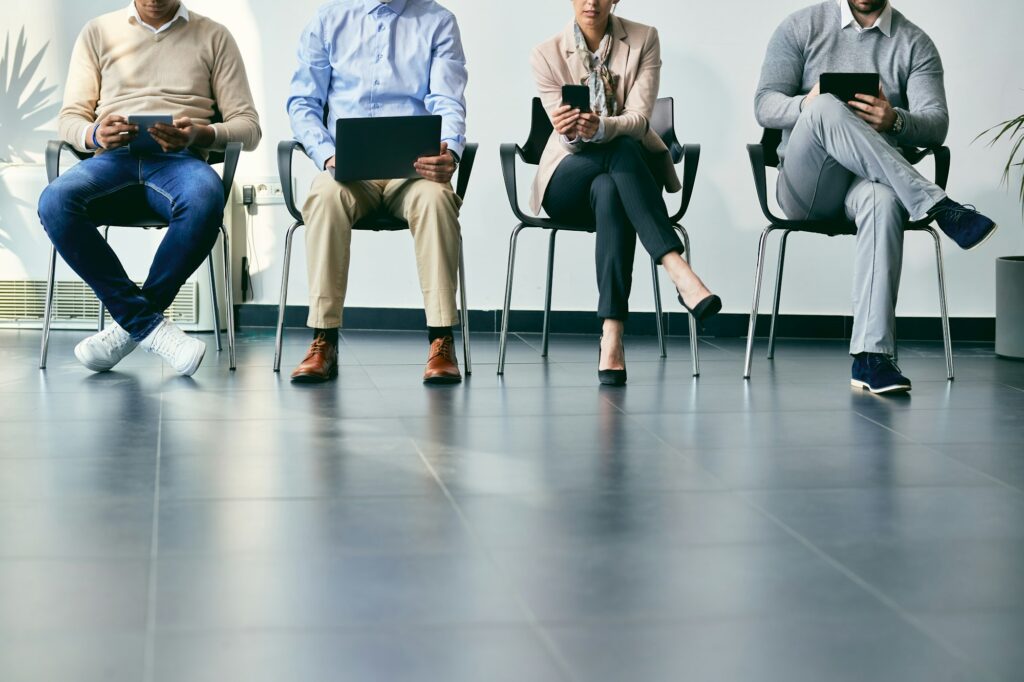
column 144, row 144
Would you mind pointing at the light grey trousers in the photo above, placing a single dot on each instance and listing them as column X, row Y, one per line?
column 835, row 165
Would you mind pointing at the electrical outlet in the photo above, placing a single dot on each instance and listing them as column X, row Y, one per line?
column 266, row 190
column 269, row 193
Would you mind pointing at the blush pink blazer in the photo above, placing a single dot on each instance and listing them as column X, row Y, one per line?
column 636, row 59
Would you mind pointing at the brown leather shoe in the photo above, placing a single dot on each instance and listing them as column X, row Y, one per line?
column 442, row 365
column 320, row 364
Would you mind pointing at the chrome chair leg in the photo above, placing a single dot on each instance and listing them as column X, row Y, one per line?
column 100, row 320
column 694, row 332
column 659, row 316
column 547, row 295
column 778, row 293
column 283, row 301
column 465, row 309
column 48, row 307
column 229, row 295
column 216, row 303
column 503, row 339
column 943, row 305
column 758, row 276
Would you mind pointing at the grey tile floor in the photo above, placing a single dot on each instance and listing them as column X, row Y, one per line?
column 533, row 527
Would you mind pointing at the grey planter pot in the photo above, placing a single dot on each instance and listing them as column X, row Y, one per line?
column 1010, row 307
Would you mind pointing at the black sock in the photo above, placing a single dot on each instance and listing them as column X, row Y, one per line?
column 330, row 334
column 438, row 333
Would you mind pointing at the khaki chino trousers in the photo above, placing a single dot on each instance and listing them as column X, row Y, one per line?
column 430, row 208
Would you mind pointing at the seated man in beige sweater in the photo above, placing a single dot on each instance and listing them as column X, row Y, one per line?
column 153, row 57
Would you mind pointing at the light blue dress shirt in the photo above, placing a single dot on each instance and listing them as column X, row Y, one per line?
column 365, row 58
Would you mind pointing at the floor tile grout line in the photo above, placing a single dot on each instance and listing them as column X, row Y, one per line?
column 149, row 653
column 550, row 646
column 887, row 601
column 876, row 593
column 999, row 482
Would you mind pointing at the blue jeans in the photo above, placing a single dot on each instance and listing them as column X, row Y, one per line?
column 179, row 188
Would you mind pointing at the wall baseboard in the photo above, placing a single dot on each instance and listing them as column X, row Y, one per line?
column 728, row 325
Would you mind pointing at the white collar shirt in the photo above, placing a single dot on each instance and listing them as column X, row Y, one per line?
column 883, row 23
column 181, row 14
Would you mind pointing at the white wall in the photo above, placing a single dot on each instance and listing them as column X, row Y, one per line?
column 712, row 54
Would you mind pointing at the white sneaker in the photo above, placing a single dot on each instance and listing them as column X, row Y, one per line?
column 102, row 351
column 181, row 352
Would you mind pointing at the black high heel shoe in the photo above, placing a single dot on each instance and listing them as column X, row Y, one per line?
column 609, row 377
column 707, row 308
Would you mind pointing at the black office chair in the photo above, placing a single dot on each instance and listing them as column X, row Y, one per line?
column 662, row 122
column 377, row 222
column 766, row 154
column 149, row 220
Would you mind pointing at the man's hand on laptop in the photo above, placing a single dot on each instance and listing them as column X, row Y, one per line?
column 112, row 132
column 439, row 168
column 876, row 111
column 329, row 166
column 182, row 135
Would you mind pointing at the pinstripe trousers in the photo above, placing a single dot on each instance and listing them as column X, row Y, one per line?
column 611, row 186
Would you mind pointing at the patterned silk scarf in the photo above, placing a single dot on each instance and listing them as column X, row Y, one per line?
column 599, row 79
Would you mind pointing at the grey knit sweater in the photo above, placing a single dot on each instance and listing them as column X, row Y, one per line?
column 810, row 42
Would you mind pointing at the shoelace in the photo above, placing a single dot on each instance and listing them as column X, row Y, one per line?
column 444, row 349
column 319, row 347
column 109, row 338
column 165, row 341
column 957, row 212
column 879, row 360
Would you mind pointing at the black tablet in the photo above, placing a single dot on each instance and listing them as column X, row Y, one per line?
column 144, row 144
column 577, row 97
column 384, row 147
column 845, row 86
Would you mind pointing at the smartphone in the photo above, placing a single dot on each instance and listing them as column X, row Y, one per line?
column 144, row 144
column 846, row 86
column 577, row 97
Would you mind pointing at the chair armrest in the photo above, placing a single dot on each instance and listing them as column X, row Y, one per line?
column 53, row 152
column 285, row 154
column 232, row 153
column 942, row 161
column 758, row 168
column 508, row 171
column 466, row 169
column 691, row 160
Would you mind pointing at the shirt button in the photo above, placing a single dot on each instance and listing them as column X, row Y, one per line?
column 380, row 27
column 376, row 82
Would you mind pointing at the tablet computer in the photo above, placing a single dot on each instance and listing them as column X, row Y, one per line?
column 845, row 86
column 144, row 144
column 384, row 148
column 577, row 97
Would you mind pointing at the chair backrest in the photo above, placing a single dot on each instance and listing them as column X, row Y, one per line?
column 771, row 138
column 663, row 122
column 540, row 133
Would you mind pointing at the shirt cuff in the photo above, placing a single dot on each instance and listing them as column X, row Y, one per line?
column 456, row 145
column 321, row 154
column 85, row 137
column 599, row 135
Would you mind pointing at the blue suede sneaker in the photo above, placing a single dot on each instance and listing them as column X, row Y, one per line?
column 878, row 374
column 962, row 223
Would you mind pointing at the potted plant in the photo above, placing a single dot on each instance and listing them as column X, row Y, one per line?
column 1010, row 269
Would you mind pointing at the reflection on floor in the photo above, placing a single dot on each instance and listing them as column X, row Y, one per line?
column 531, row 528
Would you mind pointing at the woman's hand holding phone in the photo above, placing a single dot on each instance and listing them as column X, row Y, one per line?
column 565, row 120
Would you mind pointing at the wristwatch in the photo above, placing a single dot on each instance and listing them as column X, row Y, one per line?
column 897, row 127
